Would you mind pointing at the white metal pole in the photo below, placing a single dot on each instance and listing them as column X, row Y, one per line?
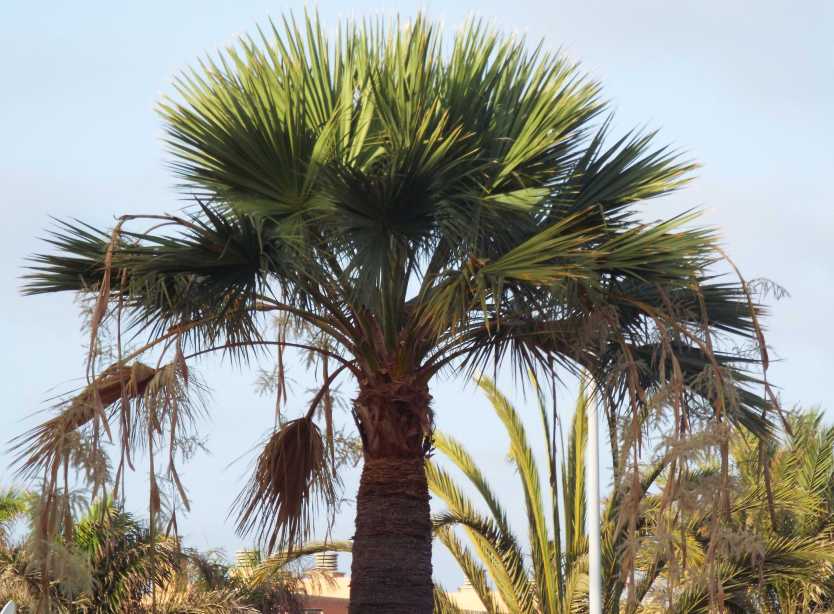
column 592, row 497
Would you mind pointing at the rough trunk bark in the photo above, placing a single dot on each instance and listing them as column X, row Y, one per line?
column 391, row 571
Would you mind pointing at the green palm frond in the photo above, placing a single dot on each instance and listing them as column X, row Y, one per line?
column 443, row 604
column 573, row 481
column 14, row 504
column 782, row 560
column 475, row 573
column 812, row 469
column 457, row 454
column 278, row 564
column 498, row 551
column 556, row 578
column 125, row 558
column 521, row 455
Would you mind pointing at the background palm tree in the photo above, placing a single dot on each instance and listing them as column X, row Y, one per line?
column 555, row 580
column 111, row 564
column 550, row 573
column 268, row 585
column 126, row 559
column 410, row 208
column 201, row 585
column 105, row 564
column 769, row 562
column 14, row 504
column 780, row 554
column 276, row 583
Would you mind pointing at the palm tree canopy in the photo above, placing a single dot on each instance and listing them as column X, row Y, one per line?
column 377, row 184
column 416, row 206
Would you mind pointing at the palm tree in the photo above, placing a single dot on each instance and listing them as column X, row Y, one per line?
column 411, row 209
column 20, row 575
column 272, row 585
column 126, row 559
column 112, row 564
column 785, row 560
column 276, row 584
column 200, row 585
column 106, row 564
column 14, row 504
column 550, row 574
column 781, row 562
column 556, row 578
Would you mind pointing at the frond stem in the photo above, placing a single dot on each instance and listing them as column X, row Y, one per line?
column 345, row 363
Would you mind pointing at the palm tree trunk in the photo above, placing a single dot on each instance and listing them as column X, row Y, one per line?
column 391, row 569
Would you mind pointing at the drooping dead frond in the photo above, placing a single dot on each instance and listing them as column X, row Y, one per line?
column 172, row 404
column 291, row 478
column 39, row 447
column 143, row 402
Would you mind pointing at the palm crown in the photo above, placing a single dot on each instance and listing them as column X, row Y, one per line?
column 413, row 208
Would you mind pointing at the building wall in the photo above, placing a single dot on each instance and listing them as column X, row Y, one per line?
column 331, row 595
column 325, row 605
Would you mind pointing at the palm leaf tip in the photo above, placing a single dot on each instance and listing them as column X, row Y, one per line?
column 292, row 477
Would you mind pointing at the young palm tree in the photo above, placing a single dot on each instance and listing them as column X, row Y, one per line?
column 414, row 208
column 200, row 585
column 550, row 575
column 555, row 581
column 109, row 565
column 763, row 568
column 276, row 584
column 125, row 558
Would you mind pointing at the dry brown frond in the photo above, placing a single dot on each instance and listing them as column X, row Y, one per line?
column 37, row 449
column 291, row 478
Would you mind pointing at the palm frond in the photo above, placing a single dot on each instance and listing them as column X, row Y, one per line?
column 291, row 478
column 573, row 476
column 782, row 559
column 277, row 563
column 14, row 504
column 443, row 604
column 39, row 449
column 541, row 549
column 454, row 451
column 498, row 551
column 475, row 573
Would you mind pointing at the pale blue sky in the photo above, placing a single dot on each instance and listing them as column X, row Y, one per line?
column 745, row 88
